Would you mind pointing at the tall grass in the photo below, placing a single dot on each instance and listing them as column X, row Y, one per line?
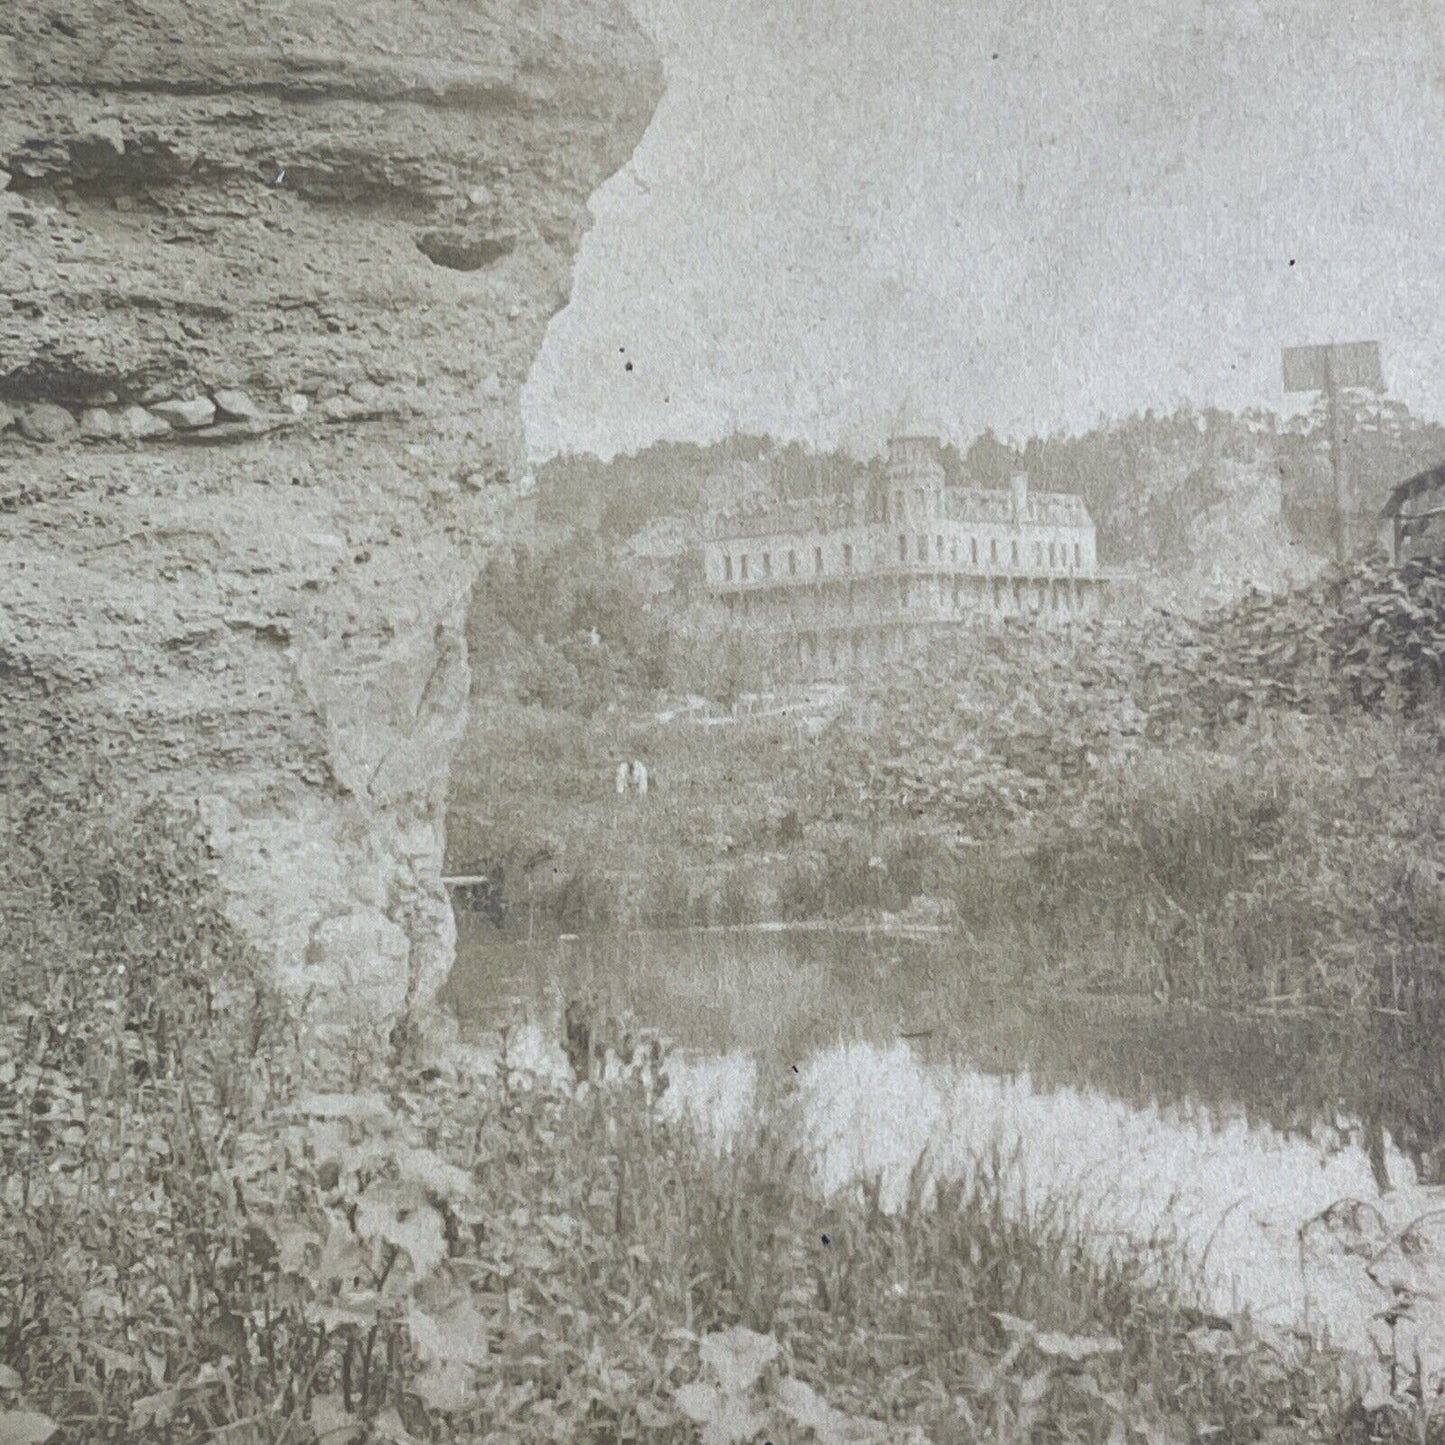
column 1300, row 861
column 215, row 1227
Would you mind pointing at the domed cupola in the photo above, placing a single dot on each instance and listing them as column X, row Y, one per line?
column 914, row 476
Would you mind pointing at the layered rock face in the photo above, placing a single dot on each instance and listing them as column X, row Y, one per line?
column 272, row 273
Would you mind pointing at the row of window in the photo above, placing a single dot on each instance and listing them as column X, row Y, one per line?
column 913, row 595
column 1058, row 557
column 745, row 569
column 1058, row 552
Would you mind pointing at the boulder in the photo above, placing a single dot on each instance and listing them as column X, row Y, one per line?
column 234, row 405
column 46, row 422
column 186, row 415
column 367, row 393
column 341, row 408
column 297, row 404
column 97, row 424
column 7, row 417
column 459, row 249
column 105, row 138
column 137, row 422
column 4, row 180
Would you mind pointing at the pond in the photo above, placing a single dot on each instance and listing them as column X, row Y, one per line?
column 1286, row 1157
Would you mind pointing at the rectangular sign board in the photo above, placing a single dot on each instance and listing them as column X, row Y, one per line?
column 1353, row 363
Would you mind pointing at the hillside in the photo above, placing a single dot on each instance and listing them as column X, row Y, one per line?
column 1201, row 505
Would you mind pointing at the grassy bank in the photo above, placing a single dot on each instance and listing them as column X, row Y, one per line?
column 1291, row 860
column 457, row 1258
column 1239, row 810
column 218, row 1225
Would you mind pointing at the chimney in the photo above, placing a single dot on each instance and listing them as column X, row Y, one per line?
column 1021, row 497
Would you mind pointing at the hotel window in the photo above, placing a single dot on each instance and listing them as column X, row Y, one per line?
column 727, row 568
column 1053, row 556
column 993, row 551
column 744, row 568
column 1038, row 554
column 1014, row 553
column 792, row 564
column 973, row 550
column 1078, row 555
column 767, row 564
column 847, row 554
column 817, row 559
column 938, row 548
column 903, row 549
column 955, row 553
column 923, row 549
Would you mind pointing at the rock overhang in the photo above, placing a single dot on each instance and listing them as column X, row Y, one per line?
column 252, row 431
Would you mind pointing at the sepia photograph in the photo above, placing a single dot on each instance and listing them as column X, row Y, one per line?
column 722, row 722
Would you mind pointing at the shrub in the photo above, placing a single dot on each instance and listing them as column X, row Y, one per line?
column 214, row 1228
column 1367, row 637
column 137, row 1043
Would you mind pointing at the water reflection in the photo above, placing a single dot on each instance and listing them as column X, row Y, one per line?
column 1237, row 1141
column 783, row 994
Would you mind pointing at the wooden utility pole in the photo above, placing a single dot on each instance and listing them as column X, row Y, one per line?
column 1343, row 499
column 1326, row 369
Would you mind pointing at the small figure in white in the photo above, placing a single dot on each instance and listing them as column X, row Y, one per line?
column 632, row 778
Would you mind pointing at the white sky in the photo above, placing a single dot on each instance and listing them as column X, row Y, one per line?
column 841, row 204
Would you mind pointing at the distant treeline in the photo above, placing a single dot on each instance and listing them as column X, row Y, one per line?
column 1146, row 478
column 566, row 628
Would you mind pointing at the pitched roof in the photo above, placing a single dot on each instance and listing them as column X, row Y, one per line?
column 979, row 504
column 808, row 514
column 1430, row 481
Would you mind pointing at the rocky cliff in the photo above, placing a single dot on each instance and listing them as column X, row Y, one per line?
column 272, row 273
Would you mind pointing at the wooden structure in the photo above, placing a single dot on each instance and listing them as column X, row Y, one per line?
column 478, row 893
column 1413, row 520
column 1326, row 369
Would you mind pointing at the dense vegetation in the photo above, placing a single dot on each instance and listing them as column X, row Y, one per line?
column 217, row 1225
column 567, row 629
column 1243, row 811
column 1282, row 753
column 1150, row 479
